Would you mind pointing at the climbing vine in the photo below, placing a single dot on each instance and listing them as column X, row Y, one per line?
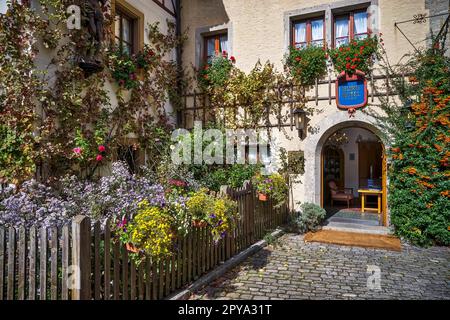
column 58, row 114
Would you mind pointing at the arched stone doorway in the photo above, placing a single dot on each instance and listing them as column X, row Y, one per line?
column 314, row 146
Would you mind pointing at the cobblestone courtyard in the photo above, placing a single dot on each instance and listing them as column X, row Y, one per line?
column 292, row 269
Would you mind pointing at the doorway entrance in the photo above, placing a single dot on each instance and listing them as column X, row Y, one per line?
column 353, row 168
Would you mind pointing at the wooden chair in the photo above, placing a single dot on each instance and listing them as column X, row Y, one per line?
column 345, row 194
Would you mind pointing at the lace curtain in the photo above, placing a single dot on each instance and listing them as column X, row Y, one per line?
column 360, row 19
column 341, row 31
column 317, row 32
column 300, row 34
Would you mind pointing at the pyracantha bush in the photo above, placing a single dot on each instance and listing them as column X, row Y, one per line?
column 419, row 184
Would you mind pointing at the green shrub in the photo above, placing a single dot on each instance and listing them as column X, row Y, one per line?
column 311, row 217
column 231, row 175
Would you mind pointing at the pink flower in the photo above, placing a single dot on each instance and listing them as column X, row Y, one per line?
column 122, row 223
column 77, row 150
column 233, row 59
column 177, row 183
column 99, row 157
column 101, row 148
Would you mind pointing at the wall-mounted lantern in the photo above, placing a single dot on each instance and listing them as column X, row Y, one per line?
column 301, row 122
column 405, row 111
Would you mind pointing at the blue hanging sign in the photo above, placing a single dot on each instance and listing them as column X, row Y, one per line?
column 351, row 91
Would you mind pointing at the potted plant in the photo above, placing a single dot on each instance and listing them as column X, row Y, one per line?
column 224, row 217
column 356, row 55
column 263, row 186
column 307, row 64
column 122, row 233
column 263, row 197
column 151, row 230
column 199, row 206
column 273, row 186
column 123, row 69
column 216, row 71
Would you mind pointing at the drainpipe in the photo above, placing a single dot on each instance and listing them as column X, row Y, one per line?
column 178, row 58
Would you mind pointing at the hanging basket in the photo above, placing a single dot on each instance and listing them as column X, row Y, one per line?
column 263, row 197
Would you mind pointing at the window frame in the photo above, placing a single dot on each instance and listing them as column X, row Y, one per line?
column 308, row 22
column 351, row 24
column 136, row 16
column 216, row 38
column 132, row 21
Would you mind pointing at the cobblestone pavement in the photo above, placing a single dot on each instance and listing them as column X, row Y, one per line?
column 292, row 269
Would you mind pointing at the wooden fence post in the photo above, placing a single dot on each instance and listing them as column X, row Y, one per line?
column 81, row 257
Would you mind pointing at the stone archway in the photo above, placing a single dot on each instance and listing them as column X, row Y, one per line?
column 314, row 143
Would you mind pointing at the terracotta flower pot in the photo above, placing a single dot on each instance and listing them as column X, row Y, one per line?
column 130, row 247
column 412, row 79
column 199, row 223
column 262, row 197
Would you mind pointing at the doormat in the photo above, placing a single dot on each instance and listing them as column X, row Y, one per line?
column 355, row 239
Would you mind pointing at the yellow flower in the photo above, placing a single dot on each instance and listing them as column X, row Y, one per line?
column 151, row 230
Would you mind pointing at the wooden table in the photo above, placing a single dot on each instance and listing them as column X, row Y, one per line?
column 370, row 192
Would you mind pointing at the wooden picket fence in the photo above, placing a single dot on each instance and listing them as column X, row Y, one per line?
column 82, row 261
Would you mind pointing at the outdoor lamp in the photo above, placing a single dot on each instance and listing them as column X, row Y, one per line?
column 301, row 122
column 405, row 111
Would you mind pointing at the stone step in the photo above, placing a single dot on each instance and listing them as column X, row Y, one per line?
column 359, row 228
column 366, row 222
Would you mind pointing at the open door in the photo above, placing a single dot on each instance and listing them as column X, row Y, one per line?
column 384, row 186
